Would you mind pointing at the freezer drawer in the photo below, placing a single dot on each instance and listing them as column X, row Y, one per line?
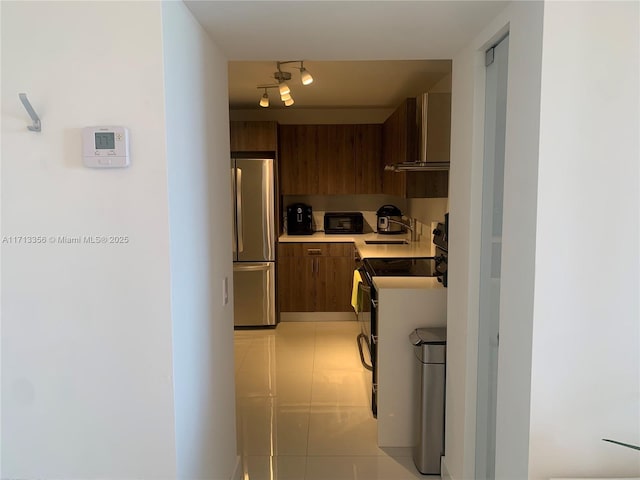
column 254, row 294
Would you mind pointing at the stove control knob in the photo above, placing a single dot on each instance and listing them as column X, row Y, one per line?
column 437, row 231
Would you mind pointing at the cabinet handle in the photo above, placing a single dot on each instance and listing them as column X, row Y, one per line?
column 314, row 251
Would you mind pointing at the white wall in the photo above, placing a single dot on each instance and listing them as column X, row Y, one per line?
column 199, row 198
column 86, row 331
column 428, row 210
column 523, row 21
column 518, row 240
column 586, row 331
column 443, row 85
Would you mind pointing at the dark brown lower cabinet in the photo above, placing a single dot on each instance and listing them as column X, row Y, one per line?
column 315, row 277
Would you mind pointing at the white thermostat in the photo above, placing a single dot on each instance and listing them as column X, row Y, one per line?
column 105, row 147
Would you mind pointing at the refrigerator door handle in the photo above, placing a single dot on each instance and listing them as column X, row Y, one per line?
column 233, row 196
column 239, row 222
column 252, row 268
column 268, row 237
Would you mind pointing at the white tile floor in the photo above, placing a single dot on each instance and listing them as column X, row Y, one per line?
column 303, row 408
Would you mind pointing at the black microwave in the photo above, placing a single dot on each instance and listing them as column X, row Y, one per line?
column 343, row 222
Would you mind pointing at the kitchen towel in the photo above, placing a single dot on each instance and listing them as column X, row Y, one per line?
column 356, row 296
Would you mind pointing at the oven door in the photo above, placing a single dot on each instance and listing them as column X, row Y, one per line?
column 368, row 337
column 364, row 319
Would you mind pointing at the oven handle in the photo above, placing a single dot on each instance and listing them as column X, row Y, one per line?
column 359, row 339
column 365, row 278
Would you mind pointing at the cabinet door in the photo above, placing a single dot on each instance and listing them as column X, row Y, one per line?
column 253, row 136
column 400, row 141
column 335, row 159
column 315, row 277
column 330, row 159
column 299, row 172
column 335, row 278
column 296, row 284
column 399, row 144
column 368, row 165
column 296, row 279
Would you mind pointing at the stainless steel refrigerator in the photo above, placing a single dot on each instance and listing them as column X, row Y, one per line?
column 254, row 241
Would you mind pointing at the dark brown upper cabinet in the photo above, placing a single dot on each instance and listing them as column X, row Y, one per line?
column 401, row 142
column 253, row 136
column 330, row 159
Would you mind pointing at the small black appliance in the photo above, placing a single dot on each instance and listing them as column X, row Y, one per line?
column 343, row 222
column 299, row 219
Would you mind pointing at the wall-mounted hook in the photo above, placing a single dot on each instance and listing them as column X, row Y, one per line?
column 36, row 127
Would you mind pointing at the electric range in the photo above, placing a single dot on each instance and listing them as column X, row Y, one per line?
column 394, row 267
column 368, row 337
column 400, row 267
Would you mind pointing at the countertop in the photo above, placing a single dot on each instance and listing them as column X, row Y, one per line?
column 413, row 249
column 405, row 283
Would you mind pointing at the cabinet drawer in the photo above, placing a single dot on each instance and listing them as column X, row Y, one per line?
column 313, row 249
column 341, row 249
column 298, row 249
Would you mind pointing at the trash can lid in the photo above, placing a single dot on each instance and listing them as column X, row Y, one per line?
column 431, row 336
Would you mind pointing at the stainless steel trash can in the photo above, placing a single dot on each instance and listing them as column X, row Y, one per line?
column 430, row 348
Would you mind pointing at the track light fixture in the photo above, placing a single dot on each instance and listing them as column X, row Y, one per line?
column 281, row 77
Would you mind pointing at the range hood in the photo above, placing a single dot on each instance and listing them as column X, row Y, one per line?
column 433, row 125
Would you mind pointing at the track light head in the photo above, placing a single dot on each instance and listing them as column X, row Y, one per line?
column 305, row 76
column 284, row 89
column 264, row 101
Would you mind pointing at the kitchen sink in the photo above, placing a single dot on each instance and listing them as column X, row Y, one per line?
column 387, row 242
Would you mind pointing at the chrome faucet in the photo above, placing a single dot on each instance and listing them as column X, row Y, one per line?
column 411, row 226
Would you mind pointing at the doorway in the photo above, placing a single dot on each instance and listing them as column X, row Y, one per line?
column 496, row 62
